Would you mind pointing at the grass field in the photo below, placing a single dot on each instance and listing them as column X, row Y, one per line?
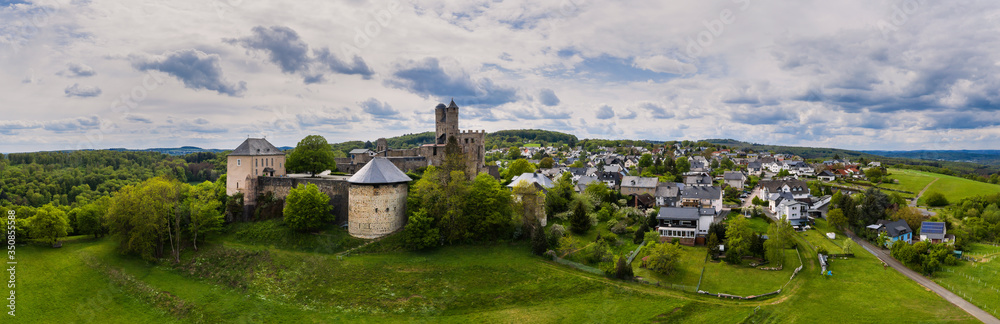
column 257, row 282
column 687, row 273
column 954, row 188
column 746, row 281
column 758, row 224
column 979, row 283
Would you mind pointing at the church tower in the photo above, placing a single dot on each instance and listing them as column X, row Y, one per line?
column 446, row 120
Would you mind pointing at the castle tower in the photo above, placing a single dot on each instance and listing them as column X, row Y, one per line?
column 446, row 122
column 377, row 200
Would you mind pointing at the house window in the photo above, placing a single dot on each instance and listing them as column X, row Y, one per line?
column 237, row 162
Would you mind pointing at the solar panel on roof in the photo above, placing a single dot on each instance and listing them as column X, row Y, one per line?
column 932, row 227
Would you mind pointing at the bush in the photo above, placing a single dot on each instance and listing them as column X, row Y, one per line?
column 539, row 243
column 307, row 208
column 623, row 270
column 935, row 199
column 822, row 250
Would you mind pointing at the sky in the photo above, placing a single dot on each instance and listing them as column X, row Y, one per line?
column 854, row 74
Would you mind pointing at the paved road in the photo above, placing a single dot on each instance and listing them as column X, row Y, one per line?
column 913, row 203
column 923, row 281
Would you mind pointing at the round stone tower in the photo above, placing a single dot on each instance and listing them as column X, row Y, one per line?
column 377, row 199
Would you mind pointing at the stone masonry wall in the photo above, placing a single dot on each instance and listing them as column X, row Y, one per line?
column 376, row 210
column 338, row 190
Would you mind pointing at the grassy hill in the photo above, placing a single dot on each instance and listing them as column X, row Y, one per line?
column 227, row 281
column 953, row 188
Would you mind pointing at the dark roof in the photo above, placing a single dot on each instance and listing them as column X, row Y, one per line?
column 897, row 228
column 825, row 173
column 359, row 151
column 733, row 175
column 680, row 213
column 932, row 228
column 610, row 176
column 379, row 170
column 668, row 189
column 795, row 185
column 256, row 146
column 452, row 104
column 701, row 192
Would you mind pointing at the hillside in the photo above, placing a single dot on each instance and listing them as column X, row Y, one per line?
column 990, row 157
column 504, row 138
column 827, row 153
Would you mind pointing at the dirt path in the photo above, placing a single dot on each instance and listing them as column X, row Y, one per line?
column 921, row 193
column 927, row 283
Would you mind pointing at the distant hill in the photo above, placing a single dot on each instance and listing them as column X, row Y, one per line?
column 504, row 138
column 991, row 157
column 935, row 165
column 176, row 151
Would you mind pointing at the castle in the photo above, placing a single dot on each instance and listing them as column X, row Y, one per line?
column 472, row 143
column 372, row 202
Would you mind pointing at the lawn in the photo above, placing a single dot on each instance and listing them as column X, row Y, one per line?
column 456, row 284
column 860, row 291
column 685, row 276
column 816, row 237
column 742, row 280
column 758, row 224
column 909, row 180
column 953, row 188
column 979, row 283
column 497, row 283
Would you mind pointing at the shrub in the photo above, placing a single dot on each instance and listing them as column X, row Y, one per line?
column 935, row 199
column 623, row 270
column 307, row 208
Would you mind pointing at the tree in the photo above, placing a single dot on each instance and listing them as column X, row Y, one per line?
column 850, row 209
column 539, row 243
column 488, row 206
column 145, row 216
column 49, row 223
column 579, row 220
column 935, row 199
column 558, row 198
column 779, row 234
column 623, row 270
column 911, row 215
column 514, row 153
column 873, row 206
column 874, row 174
column 783, row 173
column 307, row 208
column 663, row 257
column 645, row 161
column 713, row 244
column 546, row 163
column 313, row 154
column 737, row 239
column 600, row 192
column 91, row 218
column 682, row 165
column 206, row 216
column 518, row 167
column 420, row 232
column 835, row 217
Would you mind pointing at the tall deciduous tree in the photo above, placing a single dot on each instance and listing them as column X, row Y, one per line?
column 307, row 208
column 836, row 218
column 488, row 205
column 518, row 167
column 49, row 223
column 144, row 217
column 313, row 154
column 546, row 163
column 204, row 206
column 92, row 218
column 738, row 234
column 558, row 198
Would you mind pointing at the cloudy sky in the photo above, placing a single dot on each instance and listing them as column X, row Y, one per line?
column 856, row 74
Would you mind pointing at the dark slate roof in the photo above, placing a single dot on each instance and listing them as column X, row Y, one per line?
column 256, row 146
column 774, row 185
column 379, row 170
column 825, row 173
column 897, row 228
column 610, row 176
column 701, row 192
column 755, row 165
column 733, row 175
column 668, row 189
column 679, row 213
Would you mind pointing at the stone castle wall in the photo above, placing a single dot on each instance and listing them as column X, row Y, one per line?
column 337, row 190
column 376, row 210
